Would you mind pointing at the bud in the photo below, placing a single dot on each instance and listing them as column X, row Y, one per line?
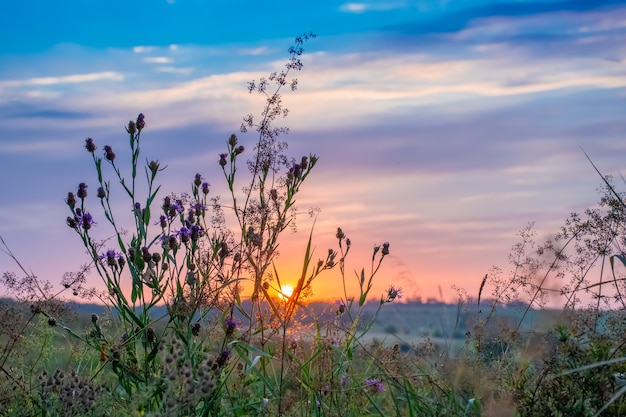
column 132, row 128
column 108, row 153
column 141, row 124
column 232, row 141
column 82, row 191
column 89, row 145
column 71, row 200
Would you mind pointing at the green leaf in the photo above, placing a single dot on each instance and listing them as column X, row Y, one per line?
column 622, row 258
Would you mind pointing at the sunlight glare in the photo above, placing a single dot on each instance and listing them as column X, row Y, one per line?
column 285, row 292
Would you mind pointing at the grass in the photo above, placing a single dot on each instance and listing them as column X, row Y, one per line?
column 199, row 332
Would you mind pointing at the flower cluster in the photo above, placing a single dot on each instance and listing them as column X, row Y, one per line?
column 114, row 259
column 375, row 385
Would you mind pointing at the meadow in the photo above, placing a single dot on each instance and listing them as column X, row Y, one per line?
column 208, row 329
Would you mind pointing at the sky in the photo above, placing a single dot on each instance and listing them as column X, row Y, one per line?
column 442, row 127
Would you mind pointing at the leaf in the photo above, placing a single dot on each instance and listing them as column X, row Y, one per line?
column 622, row 258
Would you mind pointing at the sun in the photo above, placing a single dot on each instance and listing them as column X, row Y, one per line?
column 285, row 292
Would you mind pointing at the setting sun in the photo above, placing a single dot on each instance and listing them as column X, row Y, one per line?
column 285, row 292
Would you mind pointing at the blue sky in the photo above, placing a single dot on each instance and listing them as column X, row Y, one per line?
column 442, row 127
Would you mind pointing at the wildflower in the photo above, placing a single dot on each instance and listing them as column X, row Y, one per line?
column 141, row 124
column 223, row 160
column 153, row 166
column 132, row 127
column 191, row 279
column 223, row 357
column 101, row 193
column 340, row 234
column 239, row 150
column 111, row 256
column 177, row 208
column 195, row 232
column 344, row 379
column 232, row 140
column 167, row 203
column 230, row 325
column 195, row 329
column 375, row 384
column 385, row 250
column 146, row 255
column 89, row 145
column 304, row 163
column 393, row 293
column 108, row 153
column 71, row 200
column 137, row 208
column 82, row 191
column 162, row 221
column 296, row 170
column 205, row 188
column 71, row 222
column 156, row 257
column 85, row 221
column 197, row 180
column 169, row 242
column 184, row 234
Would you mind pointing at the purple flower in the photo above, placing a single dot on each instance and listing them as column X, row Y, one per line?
column 223, row 357
column 223, row 159
column 82, row 191
column 196, row 232
column 162, row 221
column 198, row 208
column 197, row 181
column 177, row 207
column 111, row 256
column 101, row 192
column 184, row 234
column 231, row 325
column 85, row 221
column 385, row 250
column 375, row 384
column 108, row 153
column 393, row 293
column 169, row 242
column 205, row 188
column 141, row 123
column 89, row 145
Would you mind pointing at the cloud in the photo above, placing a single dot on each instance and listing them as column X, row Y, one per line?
column 372, row 6
column 143, row 49
column 66, row 79
column 158, row 60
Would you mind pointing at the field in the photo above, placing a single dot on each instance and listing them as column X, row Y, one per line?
column 205, row 327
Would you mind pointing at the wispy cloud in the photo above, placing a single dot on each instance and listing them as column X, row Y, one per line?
column 158, row 60
column 66, row 79
column 376, row 6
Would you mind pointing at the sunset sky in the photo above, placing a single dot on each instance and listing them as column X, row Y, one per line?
column 443, row 127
